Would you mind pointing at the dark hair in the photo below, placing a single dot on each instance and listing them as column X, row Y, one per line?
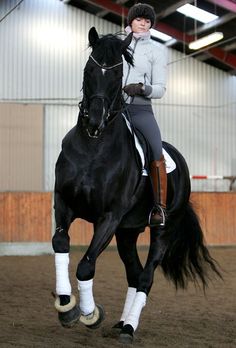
column 142, row 11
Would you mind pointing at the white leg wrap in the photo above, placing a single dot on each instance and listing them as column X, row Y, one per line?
column 87, row 304
column 130, row 296
column 135, row 311
column 63, row 286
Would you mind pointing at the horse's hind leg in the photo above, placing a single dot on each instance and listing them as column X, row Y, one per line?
column 145, row 280
column 127, row 248
column 65, row 303
column 157, row 250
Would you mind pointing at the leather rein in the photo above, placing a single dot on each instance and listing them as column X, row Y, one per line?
column 84, row 110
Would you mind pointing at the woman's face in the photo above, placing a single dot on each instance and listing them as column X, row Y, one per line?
column 140, row 25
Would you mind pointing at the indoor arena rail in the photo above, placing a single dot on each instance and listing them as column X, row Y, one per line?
column 231, row 178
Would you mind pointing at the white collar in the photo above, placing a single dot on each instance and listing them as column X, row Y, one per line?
column 142, row 36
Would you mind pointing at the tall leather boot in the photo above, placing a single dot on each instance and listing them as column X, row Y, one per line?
column 157, row 216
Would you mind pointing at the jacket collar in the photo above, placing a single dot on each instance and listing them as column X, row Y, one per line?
column 139, row 36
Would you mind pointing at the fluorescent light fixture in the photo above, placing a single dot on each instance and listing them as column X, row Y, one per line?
column 159, row 35
column 206, row 40
column 197, row 13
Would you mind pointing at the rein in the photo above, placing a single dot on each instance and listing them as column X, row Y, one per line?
column 107, row 120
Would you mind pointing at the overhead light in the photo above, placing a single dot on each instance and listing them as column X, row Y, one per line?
column 197, row 13
column 159, row 35
column 206, row 40
column 171, row 42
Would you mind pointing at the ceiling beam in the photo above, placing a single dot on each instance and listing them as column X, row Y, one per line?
column 171, row 9
column 230, row 47
column 203, row 56
column 232, row 72
column 218, row 53
column 103, row 13
column 226, row 4
column 223, row 56
column 219, row 21
column 110, row 6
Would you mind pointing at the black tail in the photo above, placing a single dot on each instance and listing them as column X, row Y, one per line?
column 187, row 257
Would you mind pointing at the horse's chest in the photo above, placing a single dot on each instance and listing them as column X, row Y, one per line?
column 88, row 189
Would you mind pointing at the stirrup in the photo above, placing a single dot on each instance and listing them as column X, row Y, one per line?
column 157, row 209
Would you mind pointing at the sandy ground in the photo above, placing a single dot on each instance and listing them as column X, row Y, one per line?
column 170, row 319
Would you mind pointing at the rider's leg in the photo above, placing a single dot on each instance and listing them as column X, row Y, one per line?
column 159, row 182
column 143, row 119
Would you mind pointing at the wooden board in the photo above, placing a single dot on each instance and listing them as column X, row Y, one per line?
column 28, row 217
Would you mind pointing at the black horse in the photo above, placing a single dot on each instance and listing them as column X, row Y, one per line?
column 99, row 179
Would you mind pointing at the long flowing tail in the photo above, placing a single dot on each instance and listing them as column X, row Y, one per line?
column 187, row 257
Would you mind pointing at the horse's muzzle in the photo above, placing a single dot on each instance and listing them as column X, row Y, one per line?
column 95, row 130
column 93, row 134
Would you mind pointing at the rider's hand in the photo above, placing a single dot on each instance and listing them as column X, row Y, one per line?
column 134, row 89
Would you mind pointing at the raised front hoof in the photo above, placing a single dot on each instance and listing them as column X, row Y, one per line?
column 126, row 335
column 93, row 320
column 70, row 318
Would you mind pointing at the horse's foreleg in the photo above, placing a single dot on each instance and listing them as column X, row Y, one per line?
column 155, row 255
column 65, row 303
column 92, row 314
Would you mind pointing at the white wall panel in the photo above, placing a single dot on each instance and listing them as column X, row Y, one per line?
column 43, row 49
column 197, row 115
column 43, row 52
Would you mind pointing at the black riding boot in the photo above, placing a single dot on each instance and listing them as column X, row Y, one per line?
column 159, row 183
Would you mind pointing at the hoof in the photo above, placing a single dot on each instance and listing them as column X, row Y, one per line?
column 126, row 335
column 70, row 318
column 68, row 314
column 93, row 320
column 118, row 325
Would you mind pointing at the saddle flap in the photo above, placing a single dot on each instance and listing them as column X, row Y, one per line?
column 170, row 164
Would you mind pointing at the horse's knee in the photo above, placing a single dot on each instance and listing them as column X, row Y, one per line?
column 61, row 241
column 85, row 269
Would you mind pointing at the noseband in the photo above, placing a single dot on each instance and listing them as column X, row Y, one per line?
column 84, row 111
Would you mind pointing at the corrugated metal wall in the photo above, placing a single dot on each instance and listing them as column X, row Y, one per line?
column 43, row 52
column 197, row 115
column 44, row 49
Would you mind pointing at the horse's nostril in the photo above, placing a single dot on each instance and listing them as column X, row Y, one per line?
column 93, row 132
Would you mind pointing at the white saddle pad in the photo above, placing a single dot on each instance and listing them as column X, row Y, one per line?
column 170, row 164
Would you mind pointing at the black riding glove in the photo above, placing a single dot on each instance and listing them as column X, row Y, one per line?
column 134, row 89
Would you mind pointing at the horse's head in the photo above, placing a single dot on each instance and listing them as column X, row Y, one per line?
column 102, row 85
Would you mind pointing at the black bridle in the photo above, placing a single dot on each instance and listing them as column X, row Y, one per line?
column 82, row 105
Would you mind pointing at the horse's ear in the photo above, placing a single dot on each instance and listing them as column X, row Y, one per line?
column 93, row 36
column 126, row 42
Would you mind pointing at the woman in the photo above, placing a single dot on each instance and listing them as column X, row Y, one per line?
column 142, row 82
